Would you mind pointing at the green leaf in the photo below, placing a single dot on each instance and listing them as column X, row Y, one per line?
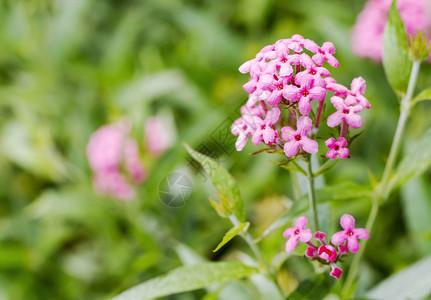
column 395, row 52
column 297, row 209
column 188, row 278
column 328, row 165
column 424, row 95
column 224, row 183
column 413, row 282
column 416, row 202
column 231, row 233
column 417, row 161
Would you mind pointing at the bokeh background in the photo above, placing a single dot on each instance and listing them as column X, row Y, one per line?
column 69, row 66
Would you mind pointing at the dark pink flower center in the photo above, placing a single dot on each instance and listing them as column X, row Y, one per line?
column 284, row 60
column 296, row 232
column 345, row 111
column 298, row 137
column 336, row 148
column 313, row 72
column 305, row 93
column 280, row 87
column 350, row 233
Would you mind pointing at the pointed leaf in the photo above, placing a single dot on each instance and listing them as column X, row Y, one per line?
column 424, row 95
column 188, row 278
column 224, row 183
column 395, row 52
column 231, row 233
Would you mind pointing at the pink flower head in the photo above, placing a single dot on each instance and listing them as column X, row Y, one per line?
column 336, row 148
column 320, row 236
column 311, row 252
column 298, row 233
column 346, row 110
column 368, row 31
column 108, row 149
column 350, row 234
column 304, row 94
column 327, row 252
column 357, row 90
column 335, row 272
column 265, row 130
column 298, row 138
column 157, row 135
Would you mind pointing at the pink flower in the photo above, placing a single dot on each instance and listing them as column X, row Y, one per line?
column 299, row 138
column 276, row 86
column 158, row 137
column 304, row 94
column 368, row 30
column 265, row 130
column 346, row 110
column 350, row 234
column 327, row 252
column 336, row 148
column 357, row 90
column 107, row 150
column 311, row 252
column 335, row 272
column 311, row 73
column 320, row 236
column 298, row 233
column 325, row 53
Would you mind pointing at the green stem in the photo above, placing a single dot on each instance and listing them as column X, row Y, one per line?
column 382, row 191
column 269, row 272
column 405, row 111
column 312, row 197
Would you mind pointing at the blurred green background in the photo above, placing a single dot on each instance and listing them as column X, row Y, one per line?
column 69, row 66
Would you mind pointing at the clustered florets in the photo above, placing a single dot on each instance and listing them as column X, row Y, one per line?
column 284, row 80
column 327, row 253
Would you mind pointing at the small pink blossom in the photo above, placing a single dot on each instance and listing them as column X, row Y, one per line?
column 311, row 252
column 298, row 138
column 336, row 148
column 298, row 233
column 325, row 53
column 311, row 73
column 346, row 110
column 350, row 234
column 335, row 272
column 327, row 252
column 321, row 237
column 304, row 94
column 265, row 130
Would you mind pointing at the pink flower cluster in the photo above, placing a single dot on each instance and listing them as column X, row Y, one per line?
column 114, row 159
column 368, row 31
column 285, row 79
column 327, row 253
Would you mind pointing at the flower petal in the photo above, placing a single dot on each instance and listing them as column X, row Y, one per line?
column 309, row 145
column 272, row 116
column 335, row 119
column 291, row 244
column 330, row 143
column 287, row 133
column 353, row 244
column 289, row 232
column 301, row 222
column 339, row 238
column 354, row 121
column 317, row 93
column 304, row 105
column 304, row 125
column 305, row 235
column 361, row 233
column 347, row 222
column 291, row 148
column 343, row 152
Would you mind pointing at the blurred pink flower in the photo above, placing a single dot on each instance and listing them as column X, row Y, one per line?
column 108, row 150
column 368, row 30
column 335, row 272
column 157, row 135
